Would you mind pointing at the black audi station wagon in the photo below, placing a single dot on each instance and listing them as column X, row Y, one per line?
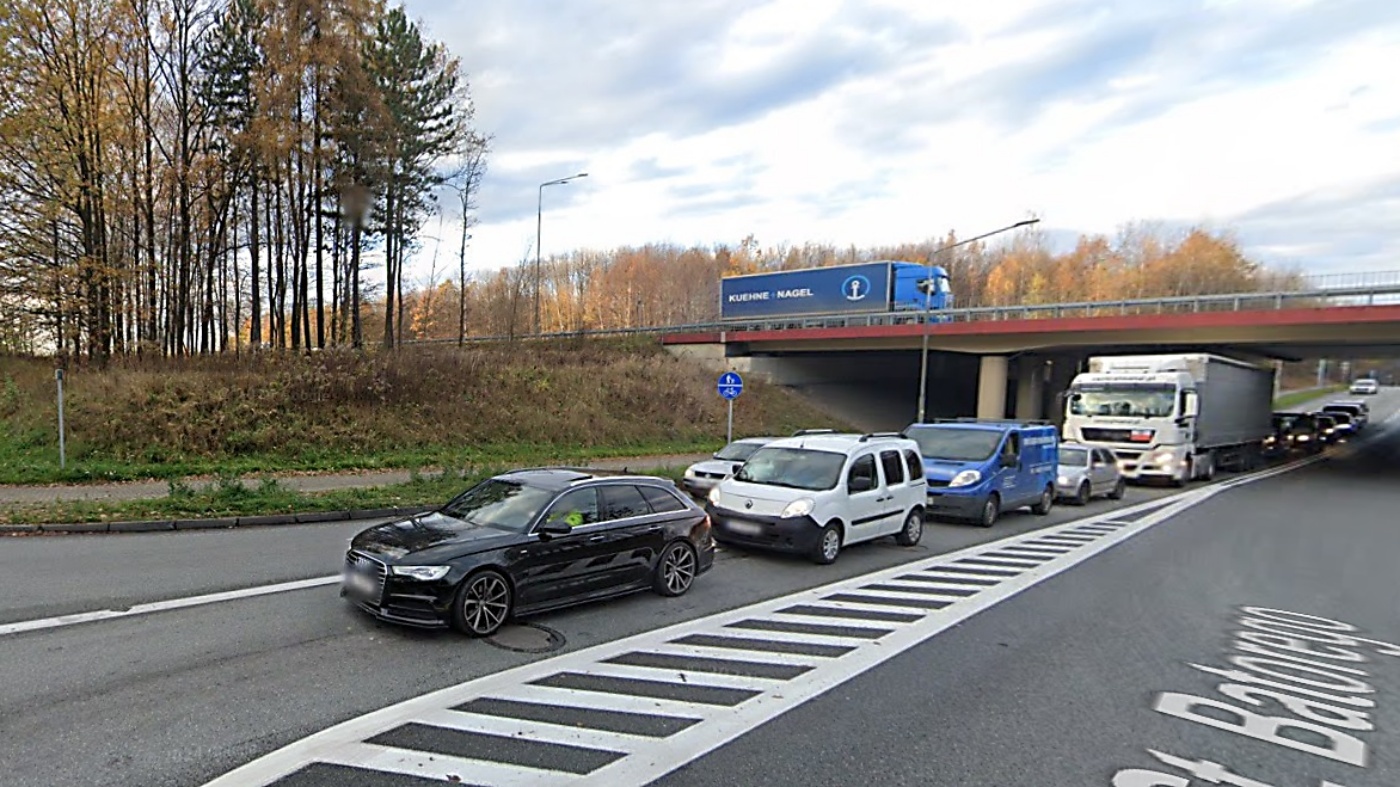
column 525, row 542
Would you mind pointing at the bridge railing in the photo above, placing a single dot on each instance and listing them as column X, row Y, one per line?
column 1365, row 289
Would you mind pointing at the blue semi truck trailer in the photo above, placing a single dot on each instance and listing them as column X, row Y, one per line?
column 862, row 288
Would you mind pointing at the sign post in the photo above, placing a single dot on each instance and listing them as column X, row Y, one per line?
column 62, row 449
column 730, row 385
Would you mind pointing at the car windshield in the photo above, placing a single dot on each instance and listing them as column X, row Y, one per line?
column 737, row 452
column 505, row 505
column 799, row 468
column 1074, row 457
column 1128, row 401
column 959, row 445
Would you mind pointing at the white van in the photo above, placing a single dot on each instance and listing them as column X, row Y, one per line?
column 816, row 493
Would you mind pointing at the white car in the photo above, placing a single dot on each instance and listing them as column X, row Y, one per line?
column 815, row 494
column 1366, row 386
column 701, row 477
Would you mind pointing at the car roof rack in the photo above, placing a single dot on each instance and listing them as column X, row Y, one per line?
column 1001, row 421
column 867, row 437
column 805, row 432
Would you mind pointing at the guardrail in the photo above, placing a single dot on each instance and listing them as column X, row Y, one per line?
column 1372, row 293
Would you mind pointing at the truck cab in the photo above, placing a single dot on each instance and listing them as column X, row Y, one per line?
column 976, row 469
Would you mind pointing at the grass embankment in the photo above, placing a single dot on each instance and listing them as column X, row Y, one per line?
column 1295, row 398
column 489, row 406
column 233, row 497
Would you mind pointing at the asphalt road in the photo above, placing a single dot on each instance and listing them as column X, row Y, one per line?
column 1053, row 686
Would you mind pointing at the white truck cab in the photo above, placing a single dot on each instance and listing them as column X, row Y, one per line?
column 816, row 493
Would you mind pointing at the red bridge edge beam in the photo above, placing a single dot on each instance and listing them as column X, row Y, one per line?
column 1332, row 315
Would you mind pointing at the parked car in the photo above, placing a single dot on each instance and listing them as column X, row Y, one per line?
column 976, row 469
column 701, row 477
column 1366, row 387
column 1085, row 471
column 1360, row 413
column 528, row 541
column 816, row 494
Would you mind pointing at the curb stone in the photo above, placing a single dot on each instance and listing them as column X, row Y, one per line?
column 309, row 517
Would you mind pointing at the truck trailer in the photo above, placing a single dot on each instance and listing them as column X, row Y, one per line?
column 862, row 288
column 1172, row 417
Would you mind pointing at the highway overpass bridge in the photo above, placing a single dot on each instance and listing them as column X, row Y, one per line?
column 1014, row 361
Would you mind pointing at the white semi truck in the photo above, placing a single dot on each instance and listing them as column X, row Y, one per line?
column 1172, row 417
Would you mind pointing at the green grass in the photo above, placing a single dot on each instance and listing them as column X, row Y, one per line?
column 232, row 497
column 1294, row 398
column 496, row 405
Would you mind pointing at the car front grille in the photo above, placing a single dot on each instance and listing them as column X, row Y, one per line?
column 935, row 483
column 360, row 563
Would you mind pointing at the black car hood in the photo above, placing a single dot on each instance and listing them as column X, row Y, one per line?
column 442, row 534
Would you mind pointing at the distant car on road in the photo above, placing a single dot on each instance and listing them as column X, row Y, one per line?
column 1360, row 413
column 529, row 541
column 815, row 494
column 1345, row 428
column 1326, row 428
column 1293, row 432
column 1085, row 471
column 1366, row 387
column 701, row 477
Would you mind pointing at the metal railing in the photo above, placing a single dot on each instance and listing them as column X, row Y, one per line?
column 1342, row 290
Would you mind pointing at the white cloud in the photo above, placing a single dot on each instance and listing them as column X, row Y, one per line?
column 879, row 122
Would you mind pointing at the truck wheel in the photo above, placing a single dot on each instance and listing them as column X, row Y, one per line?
column 1208, row 473
column 1046, row 501
column 1186, row 476
column 990, row 511
column 1081, row 497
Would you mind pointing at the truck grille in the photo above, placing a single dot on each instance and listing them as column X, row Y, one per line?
column 364, row 565
column 1096, row 434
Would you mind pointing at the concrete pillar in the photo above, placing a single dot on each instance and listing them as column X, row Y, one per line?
column 1030, row 388
column 991, row 387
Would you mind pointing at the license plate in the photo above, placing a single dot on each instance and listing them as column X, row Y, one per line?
column 747, row 528
column 360, row 584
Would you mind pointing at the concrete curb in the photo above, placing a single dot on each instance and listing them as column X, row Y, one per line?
column 218, row 523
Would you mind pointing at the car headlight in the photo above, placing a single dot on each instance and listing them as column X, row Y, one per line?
column 714, row 496
column 421, row 573
column 966, row 478
column 690, row 472
column 1164, row 458
column 800, row 507
column 1062, row 480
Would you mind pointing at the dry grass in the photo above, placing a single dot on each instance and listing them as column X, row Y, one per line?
column 342, row 409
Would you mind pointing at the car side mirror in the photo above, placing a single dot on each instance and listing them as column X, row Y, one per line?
column 861, row 483
column 551, row 529
column 1191, row 406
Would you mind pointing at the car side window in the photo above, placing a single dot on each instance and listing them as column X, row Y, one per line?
column 661, row 501
column 1011, row 449
column 893, row 467
column 915, row 465
column 575, row 509
column 621, row 501
column 862, row 468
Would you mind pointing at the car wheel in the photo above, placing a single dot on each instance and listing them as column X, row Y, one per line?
column 483, row 604
column 828, row 546
column 912, row 531
column 1120, row 488
column 990, row 511
column 676, row 570
column 1081, row 497
column 1046, row 501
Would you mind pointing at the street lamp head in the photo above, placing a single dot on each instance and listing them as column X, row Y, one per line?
column 581, row 175
column 1025, row 223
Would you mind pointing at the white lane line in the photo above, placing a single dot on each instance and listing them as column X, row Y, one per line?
column 817, row 620
column 163, row 606
column 389, row 759
column 529, row 730
column 714, row 725
column 682, row 677
column 856, row 607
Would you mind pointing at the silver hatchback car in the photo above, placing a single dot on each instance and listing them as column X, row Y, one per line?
column 1085, row 472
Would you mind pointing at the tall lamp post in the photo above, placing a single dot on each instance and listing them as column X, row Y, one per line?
column 539, row 227
column 928, row 302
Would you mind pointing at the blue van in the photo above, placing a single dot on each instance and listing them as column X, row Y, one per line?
column 977, row 469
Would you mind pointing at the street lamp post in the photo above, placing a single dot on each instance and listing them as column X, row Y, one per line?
column 539, row 228
column 928, row 303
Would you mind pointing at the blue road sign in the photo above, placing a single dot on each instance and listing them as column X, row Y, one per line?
column 730, row 385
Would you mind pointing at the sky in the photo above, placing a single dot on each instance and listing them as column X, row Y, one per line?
column 886, row 121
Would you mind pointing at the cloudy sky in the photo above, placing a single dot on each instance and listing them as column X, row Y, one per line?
column 881, row 121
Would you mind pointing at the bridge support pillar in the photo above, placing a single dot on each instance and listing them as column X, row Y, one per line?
column 1030, row 387
column 991, row 387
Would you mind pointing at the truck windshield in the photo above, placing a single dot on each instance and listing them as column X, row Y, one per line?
column 798, row 468
column 1134, row 402
column 959, row 445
